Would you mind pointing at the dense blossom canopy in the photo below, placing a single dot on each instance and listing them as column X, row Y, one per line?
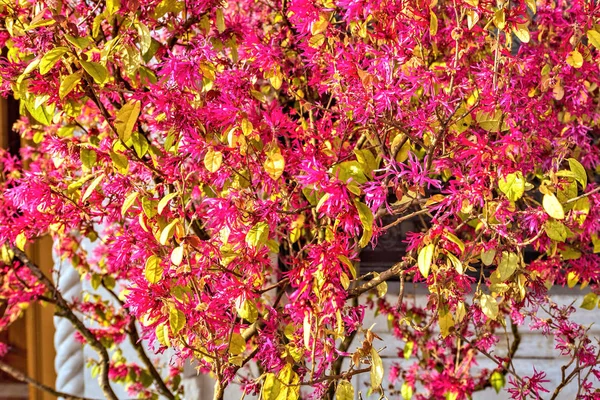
column 231, row 160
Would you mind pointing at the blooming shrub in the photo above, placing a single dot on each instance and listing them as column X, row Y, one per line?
column 231, row 160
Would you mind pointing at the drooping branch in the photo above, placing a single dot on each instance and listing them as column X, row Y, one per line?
column 20, row 376
column 66, row 312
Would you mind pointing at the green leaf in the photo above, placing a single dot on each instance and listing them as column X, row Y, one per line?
column 367, row 160
column 376, row 370
column 88, row 157
column 508, row 265
column 153, row 270
column 512, row 185
column 594, row 38
column 213, row 160
column 248, row 311
column 129, row 200
column 144, row 37
column 489, row 306
column 579, row 171
column 237, row 344
column 166, row 6
column 497, row 381
column 425, row 259
column 176, row 320
column 589, row 301
column 126, row 119
column 366, row 218
column 68, row 83
column 553, row 206
column 51, row 58
column 274, row 165
column 97, row 71
column 555, row 230
column 258, row 234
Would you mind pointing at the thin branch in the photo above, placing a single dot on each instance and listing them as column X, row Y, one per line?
column 65, row 311
column 384, row 276
column 20, row 376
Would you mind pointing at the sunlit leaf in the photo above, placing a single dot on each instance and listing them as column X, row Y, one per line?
column 553, row 207
column 153, row 270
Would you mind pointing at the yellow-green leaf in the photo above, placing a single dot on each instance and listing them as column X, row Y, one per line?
column 589, row 301
column 508, row 265
column 579, row 171
column 68, row 83
column 177, row 255
column 489, row 306
column 487, row 257
column 120, row 162
column 140, row 144
column 167, row 232
column 20, row 241
column 454, row 239
column 497, row 379
column 88, row 157
column 575, row 59
column 532, row 6
column 258, row 234
column 491, row 121
column 213, row 160
column 376, row 369
column 446, row 323
column 153, row 271
column 271, row 387
column 433, row 23
column 112, row 6
column 274, row 165
column 512, row 185
column 51, row 58
column 344, row 391
column 406, row 391
column 97, row 71
column 425, row 259
column 553, row 207
column 237, row 344
column 248, row 311
column 176, row 320
column 594, row 38
column 366, row 218
column 129, row 200
column 220, row 20
column 320, row 25
column 522, row 33
column 126, row 119
column 162, row 334
column 555, row 230
column 90, row 189
column 165, row 201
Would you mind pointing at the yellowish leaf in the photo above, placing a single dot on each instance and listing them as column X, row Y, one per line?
column 489, row 306
column 553, row 207
column 153, row 271
column 213, row 160
column 274, row 165
column 575, row 59
column 425, row 259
